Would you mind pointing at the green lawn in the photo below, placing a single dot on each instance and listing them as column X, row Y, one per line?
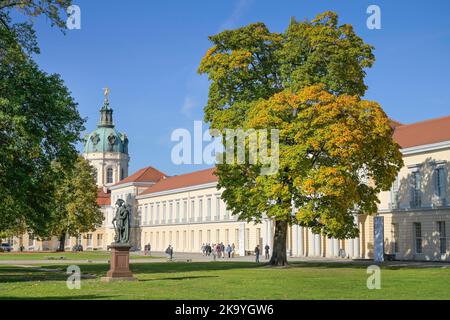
column 230, row 280
column 85, row 255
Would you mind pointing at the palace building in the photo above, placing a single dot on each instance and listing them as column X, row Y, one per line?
column 187, row 210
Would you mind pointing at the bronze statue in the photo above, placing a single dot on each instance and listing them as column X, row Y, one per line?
column 121, row 222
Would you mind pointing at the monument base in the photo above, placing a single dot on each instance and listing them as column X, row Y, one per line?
column 120, row 264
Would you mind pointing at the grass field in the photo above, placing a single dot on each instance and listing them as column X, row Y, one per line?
column 229, row 280
column 85, row 255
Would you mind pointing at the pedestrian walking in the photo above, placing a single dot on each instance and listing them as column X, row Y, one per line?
column 257, row 253
column 169, row 252
column 267, row 250
column 214, row 252
column 229, row 250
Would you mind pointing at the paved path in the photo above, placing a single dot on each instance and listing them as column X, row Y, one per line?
column 198, row 257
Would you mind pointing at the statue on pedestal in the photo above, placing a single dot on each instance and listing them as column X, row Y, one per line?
column 121, row 222
column 120, row 249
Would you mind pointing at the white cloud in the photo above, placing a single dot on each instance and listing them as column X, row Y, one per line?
column 189, row 106
column 239, row 10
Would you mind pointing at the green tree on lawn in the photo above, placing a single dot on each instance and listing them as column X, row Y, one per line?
column 39, row 121
column 76, row 209
column 336, row 151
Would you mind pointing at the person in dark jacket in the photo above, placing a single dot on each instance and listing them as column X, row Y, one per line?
column 267, row 250
column 257, row 252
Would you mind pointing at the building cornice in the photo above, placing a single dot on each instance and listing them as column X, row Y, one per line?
column 131, row 184
column 178, row 190
column 426, row 148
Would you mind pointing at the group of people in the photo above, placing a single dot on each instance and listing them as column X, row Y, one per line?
column 266, row 252
column 218, row 250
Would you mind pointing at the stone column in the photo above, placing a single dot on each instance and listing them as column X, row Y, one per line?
column 317, row 245
column 242, row 239
column 294, row 240
column 335, row 247
column 330, row 249
column 301, row 251
column 356, row 248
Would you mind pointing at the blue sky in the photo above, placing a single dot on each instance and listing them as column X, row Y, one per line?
column 148, row 52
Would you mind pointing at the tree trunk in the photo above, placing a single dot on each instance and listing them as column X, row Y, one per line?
column 279, row 257
column 62, row 242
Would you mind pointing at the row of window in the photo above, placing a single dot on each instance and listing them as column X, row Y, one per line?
column 418, row 237
column 183, row 211
column 110, row 175
column 439, row 185
column 193, row 240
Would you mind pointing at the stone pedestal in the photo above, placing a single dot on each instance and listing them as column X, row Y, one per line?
column 120, row 264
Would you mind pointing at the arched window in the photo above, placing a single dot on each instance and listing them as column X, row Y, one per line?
column 122, row 174
column 109, row 175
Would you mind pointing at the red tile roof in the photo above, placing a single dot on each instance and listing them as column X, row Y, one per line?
column 424, row 132
column 147, row 174
column 183, row 180
column 103, row 199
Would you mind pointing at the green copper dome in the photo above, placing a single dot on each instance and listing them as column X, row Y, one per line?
column 105, row 138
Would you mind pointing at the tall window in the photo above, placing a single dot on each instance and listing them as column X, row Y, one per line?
column 89, row 239
column 96, row 175
column 122, row 174
column 217, row 208
column 394, row 194
column 415, row 190
column 177, row 214
column 99, row 240
column 418, row 237
column 440, row 178
column 164, row 213
column 192, row 210
column 30, row 240
column 200, row 210
column 394, row 236
column 185, row 208
column 157, row 213
column 151, row 214
column 109, row 175
column 208, row 208
column 442, row 237
column 146, row 215
column 170, row 212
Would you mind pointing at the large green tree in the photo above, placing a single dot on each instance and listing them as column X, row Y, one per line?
column 336, row 151
column 39, row 121
column 76, row 210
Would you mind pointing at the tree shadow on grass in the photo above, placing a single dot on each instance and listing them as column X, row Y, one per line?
column 177, row 278
column 18, row 274
column 74, row 297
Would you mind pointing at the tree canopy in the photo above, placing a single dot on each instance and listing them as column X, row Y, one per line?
column 336, row 151
column 39, row 121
